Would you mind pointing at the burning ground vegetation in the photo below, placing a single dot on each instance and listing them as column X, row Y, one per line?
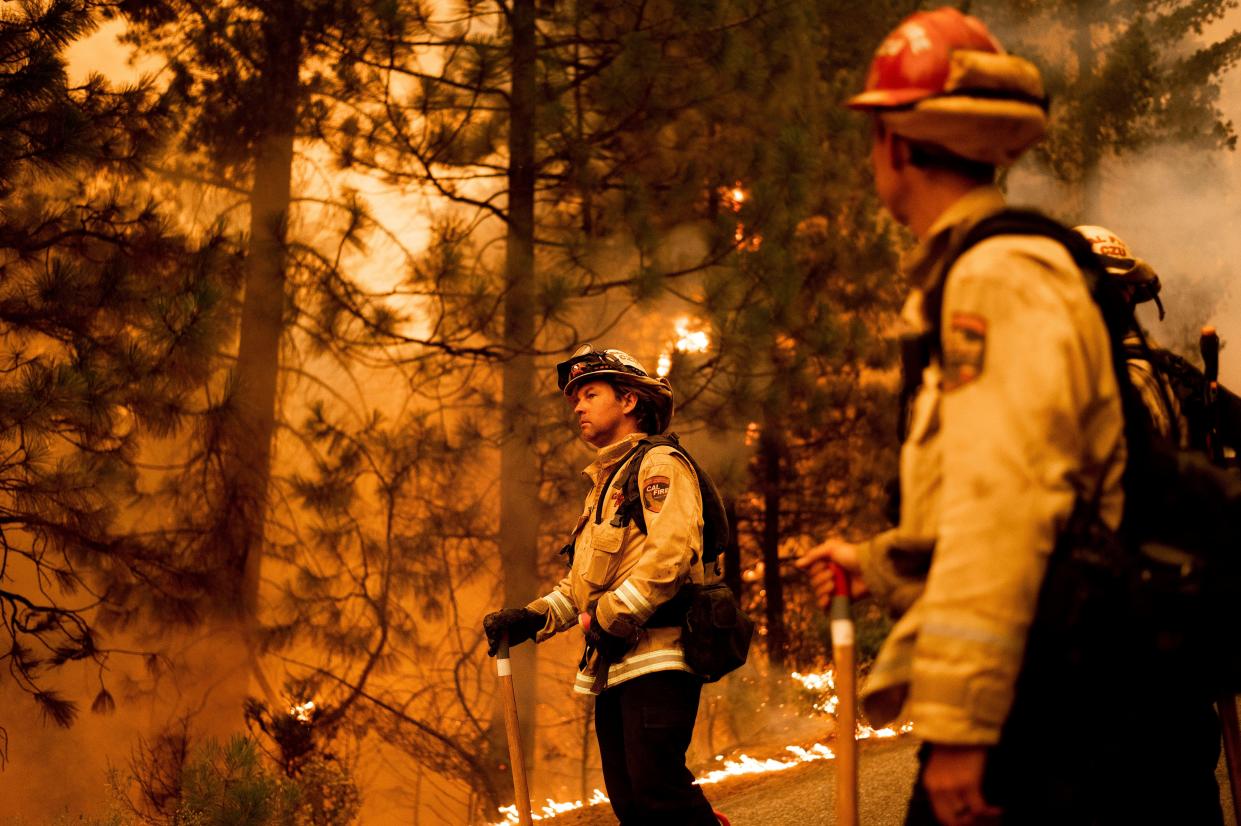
column 812, row 694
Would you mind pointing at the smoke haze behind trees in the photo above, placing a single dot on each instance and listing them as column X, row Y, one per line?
column 1162, row 182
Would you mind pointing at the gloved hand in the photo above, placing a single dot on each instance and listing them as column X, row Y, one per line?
column 611, row 646
column 520, row 624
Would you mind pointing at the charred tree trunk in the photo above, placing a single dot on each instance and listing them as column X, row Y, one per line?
column 771, row 454
column 519, row 500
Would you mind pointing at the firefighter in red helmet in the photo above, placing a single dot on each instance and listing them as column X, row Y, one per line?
column 1012, row 427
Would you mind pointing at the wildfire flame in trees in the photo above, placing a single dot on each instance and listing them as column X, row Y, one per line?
column 824, row 684
column 733, row 198
column 689, row 340
column 303, row 712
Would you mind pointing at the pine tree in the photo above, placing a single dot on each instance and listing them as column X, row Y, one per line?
column 798, row 320
column 255, row 83
column 1123, row 76
column 111, row 321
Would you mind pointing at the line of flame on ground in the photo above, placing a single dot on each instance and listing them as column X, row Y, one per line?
column 824, row 683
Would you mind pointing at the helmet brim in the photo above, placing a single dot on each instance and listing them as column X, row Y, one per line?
column 595, row 375
column 985, row 130
column 887, row 98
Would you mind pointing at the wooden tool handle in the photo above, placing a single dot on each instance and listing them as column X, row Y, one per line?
column 512, row 726
column 843, row 655
column 1227, row 706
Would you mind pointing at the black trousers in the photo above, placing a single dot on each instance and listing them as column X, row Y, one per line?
column 644, row 726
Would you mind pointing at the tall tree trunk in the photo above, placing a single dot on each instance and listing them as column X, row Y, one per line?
column 519, row 493
column 247, row 442
column 771, row 453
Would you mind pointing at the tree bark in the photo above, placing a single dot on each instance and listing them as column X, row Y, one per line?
column 246, row 444
column 771, row 452
column 519, row 494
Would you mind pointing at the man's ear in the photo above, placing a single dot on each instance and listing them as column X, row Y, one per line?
column 628, row 400
column 898, row 151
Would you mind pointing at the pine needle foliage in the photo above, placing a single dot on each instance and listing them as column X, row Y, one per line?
column 1123, row 76
column 109, row 323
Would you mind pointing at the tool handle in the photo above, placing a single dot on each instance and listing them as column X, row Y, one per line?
column 1208, row 346
column 512, row 727
column 844, row 656
column 1227, row 707
column 840, row 581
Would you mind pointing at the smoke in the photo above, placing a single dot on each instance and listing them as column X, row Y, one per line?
column 1175, row 206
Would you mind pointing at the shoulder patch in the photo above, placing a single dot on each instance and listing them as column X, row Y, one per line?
column 654, row 492
column 965, row 348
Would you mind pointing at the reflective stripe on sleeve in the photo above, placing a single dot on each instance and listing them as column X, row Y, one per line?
column 637, row 604
column 562, row 609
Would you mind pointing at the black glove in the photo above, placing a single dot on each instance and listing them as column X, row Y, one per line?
column 611, row 646
column 520, row 624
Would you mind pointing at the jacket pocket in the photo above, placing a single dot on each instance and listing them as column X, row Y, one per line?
column 605, row 545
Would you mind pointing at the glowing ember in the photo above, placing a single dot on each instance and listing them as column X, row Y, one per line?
column 733, row 197
column 664, row 366
column 303, row 712
column 745, row 241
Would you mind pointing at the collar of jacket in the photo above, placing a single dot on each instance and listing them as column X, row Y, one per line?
column 610, row 455
column 924, row 265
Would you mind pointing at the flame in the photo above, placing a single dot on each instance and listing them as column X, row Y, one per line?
column 734, row 197
column 551, row 808
column 303, row 712
column 824, row 683
column 691, row 340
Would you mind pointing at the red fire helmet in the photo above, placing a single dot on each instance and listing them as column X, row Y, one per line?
column 913, row 62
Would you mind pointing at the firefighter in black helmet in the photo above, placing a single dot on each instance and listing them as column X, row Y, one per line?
column 646, row 696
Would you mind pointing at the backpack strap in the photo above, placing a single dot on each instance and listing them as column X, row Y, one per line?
column 630, row 462
column 715, row 528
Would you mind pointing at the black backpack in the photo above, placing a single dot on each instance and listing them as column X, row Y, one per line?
column 1167, row 585
column 715, row 631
